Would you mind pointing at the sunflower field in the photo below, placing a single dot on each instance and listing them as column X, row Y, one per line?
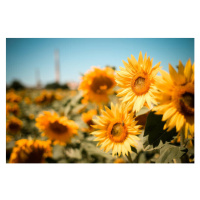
column 139, row 114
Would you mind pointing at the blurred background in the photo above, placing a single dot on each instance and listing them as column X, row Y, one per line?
column 37, row 62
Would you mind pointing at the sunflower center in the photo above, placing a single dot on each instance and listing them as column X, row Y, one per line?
column 117, row 132
column 187, row 103
column 101, row 84
column 57, row 127
column 34, row 156
column 90, row 122
column 14, row 127
column 140, row 84
column 117, row 129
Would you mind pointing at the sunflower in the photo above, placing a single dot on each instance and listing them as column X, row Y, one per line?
column 8, row 138
column 97, row 84
column 31, row 116
column 189, row 143
column 47, row 97
column 12, row 97
column 119, row 160
column 12, row 108
column 117, row 130
column 87, row 117
column 137, row 82
column 27, row 100
column 59, row 129
column 30, row 151
column 13, row 125
column 176, row 98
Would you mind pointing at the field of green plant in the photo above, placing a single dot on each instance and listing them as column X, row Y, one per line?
column 128, row 116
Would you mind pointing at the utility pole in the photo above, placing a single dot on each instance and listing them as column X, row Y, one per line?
column 57, row 66
column 37, row 75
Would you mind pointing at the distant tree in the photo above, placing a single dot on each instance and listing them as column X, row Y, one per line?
column 64, row 86
column 113, row 67
column 7, row 87
column 16, row 85
column 56, row 86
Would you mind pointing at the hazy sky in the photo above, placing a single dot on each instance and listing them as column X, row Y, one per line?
column 25, row 56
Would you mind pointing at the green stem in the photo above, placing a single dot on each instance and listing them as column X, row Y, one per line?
column 129, row 157
column 182, row 137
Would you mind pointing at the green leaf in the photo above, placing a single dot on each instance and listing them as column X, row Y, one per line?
column 74, row 153
column 154, row 135
column 76, row 99
column 58, row 152
column 134, row 149
column 91, row 149
column 170, row 153
column 50, row 160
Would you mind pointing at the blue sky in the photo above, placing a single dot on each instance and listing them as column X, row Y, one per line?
column 26, row 55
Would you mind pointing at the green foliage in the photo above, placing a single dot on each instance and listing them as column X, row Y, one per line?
column 73, row 105
column 170, row 153
column 56, row 86
column 16, row 85
column 154, row 145
column 133, row 149
column 113, row 67
column 154, row 135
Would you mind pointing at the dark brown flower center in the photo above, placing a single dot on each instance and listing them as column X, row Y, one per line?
column 101, row 84
column 187, row 103
column 34, row 156
column 139, row 83
column 57, row 127
column 117, row 129
column 14, row 126
column 90, row 122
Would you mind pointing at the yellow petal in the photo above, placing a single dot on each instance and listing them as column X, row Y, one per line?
column 119, row 149
column 168, row 113
column 134, row 61
column 173, row 73
column 188, row 70
column 127, row 66
column 131, row 65
column 127, row 145
column 140, row 59
column 166, row 77
column 180, row 122
column 125, row 91
column 109, row 111
column 145, row 57
column 180, row 68
column 114, row 151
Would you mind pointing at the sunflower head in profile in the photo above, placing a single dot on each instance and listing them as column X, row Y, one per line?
column 31, row 151
column 12, row 108
column 13, row 125
column 58, row 129
column 117, row 130
column 137, row 82
column 176, row 97
column 87, row 118
column 97, row 84
column 47, row 97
